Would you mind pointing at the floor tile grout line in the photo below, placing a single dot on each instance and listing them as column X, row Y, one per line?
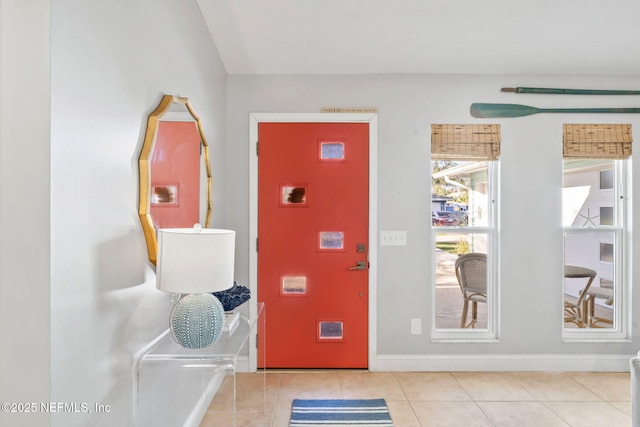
column 274, row 407
column 475, row 402
column 453, row 376
column 415, row 415
column 600, row 374
column 404, row 393
column 533, row 394
column 594, row 392
column 556, row 414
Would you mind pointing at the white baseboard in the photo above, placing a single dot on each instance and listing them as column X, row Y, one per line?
column 504, row 362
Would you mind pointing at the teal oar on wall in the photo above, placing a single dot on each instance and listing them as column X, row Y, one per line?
column 516, row 110
column 559, row 91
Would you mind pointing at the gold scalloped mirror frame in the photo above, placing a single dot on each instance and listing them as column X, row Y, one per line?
column 144, row 203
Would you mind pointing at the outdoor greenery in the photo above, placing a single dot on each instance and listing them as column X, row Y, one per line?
column 458, row 247
column 462, row 247
column 440, row 187
column 451, row 247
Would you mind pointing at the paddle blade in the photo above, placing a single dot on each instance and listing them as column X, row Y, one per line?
column 502, row 110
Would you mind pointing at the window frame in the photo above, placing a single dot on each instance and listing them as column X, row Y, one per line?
column 620, row 330
column 492, row 332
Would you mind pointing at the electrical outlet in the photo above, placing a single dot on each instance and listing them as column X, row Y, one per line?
column 416, row 326
column 393, row 238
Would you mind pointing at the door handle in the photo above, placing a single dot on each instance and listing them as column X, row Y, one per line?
column 360, row 265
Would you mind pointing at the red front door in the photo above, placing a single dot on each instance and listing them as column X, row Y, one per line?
column 313, row 210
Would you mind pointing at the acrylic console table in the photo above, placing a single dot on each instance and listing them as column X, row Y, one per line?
column 175, row 386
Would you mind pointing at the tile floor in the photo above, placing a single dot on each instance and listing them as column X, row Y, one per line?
column 420, row 399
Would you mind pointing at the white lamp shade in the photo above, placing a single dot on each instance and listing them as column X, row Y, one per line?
column 195, row 261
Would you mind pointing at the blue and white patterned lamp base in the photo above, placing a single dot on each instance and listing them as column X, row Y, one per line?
column 197, row 320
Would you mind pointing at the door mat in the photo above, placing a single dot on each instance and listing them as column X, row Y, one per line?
column 334, row 413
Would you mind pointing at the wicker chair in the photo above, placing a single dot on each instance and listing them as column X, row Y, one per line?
column 590, row 302
column 577, row 312
column 471, row 272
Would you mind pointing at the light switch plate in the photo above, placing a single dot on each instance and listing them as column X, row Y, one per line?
column 393, row 238
column 416, row 326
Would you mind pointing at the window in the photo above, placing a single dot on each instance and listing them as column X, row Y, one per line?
column 606, row 215
column 606, row 252
column 463, row 219
column 606, row 179
column 595, row 216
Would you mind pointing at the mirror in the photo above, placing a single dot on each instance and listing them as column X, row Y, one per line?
column 175, row 173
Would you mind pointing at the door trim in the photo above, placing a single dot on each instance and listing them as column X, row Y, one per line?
column 372, row 120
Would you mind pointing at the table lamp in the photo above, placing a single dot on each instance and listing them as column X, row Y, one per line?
column 196, row 262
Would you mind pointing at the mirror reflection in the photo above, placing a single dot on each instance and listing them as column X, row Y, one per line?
column 175, row 176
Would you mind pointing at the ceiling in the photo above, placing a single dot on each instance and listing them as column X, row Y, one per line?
column 426, row 36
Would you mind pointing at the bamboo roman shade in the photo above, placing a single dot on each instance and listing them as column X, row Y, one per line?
column 465, row 142
column 597, row 141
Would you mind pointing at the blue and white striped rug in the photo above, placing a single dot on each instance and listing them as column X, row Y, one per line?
column 340, row 413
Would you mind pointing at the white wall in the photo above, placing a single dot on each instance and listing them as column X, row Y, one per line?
column 24, row 207
column 530, row 234
column 86, row 262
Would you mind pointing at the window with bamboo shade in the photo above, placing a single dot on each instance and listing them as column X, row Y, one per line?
column 464, row 221
column 596, row 141
column 595, row 214
column 465, row 141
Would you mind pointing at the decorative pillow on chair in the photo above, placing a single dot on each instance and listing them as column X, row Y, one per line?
column 232, row 298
